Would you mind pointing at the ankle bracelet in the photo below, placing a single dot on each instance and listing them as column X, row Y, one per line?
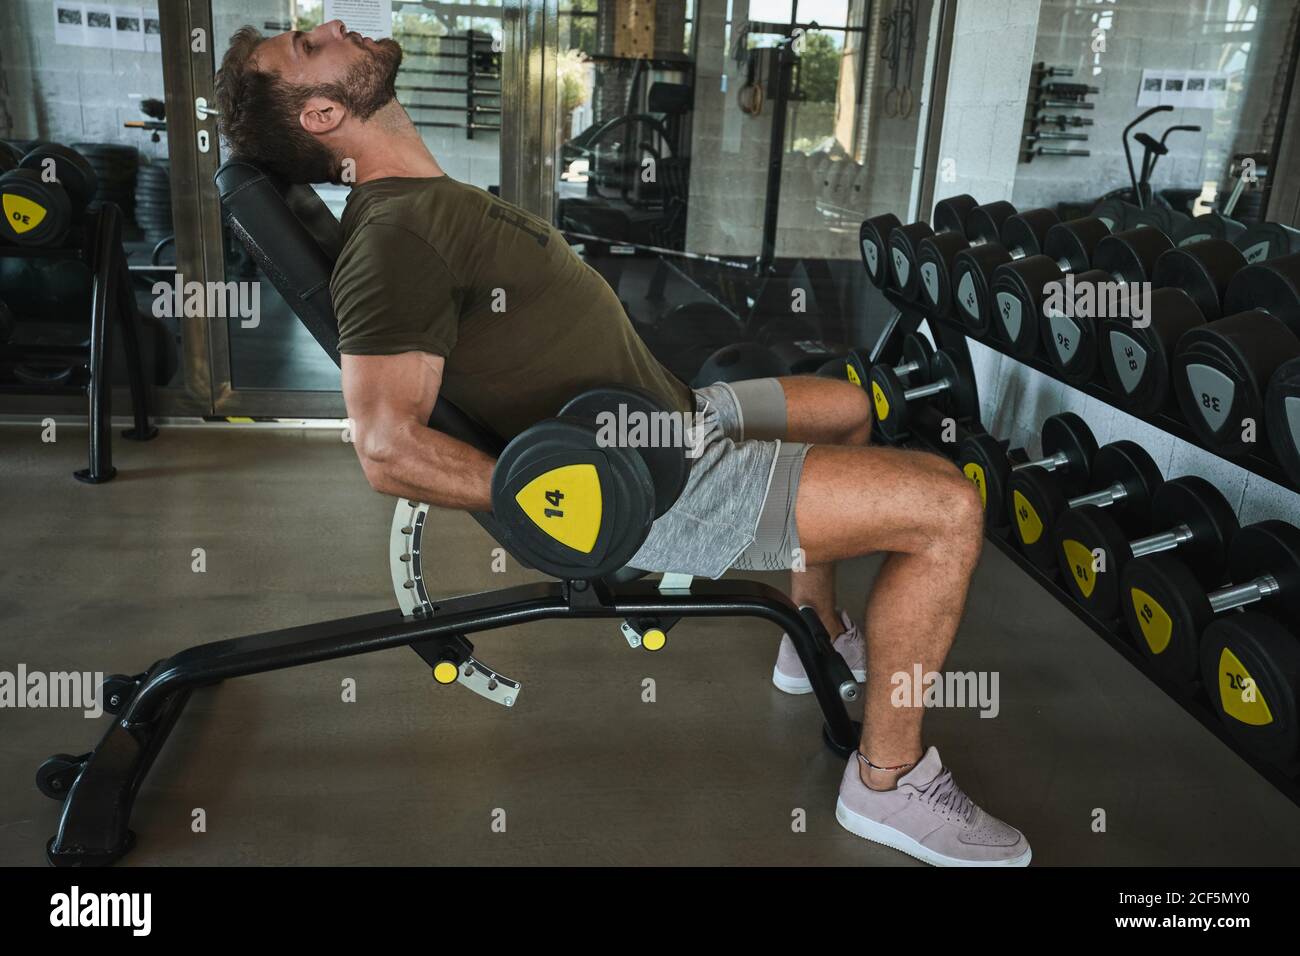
column 901, row 766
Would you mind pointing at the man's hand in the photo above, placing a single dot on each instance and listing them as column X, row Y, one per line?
column 389, row 399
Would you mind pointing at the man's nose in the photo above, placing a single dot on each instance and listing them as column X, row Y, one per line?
column 330, row 29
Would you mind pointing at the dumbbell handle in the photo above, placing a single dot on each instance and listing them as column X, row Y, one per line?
column 907, row 367
column 1239, row 595
column 1051, row 462
column 1165, row 541
column 1107, row 496
column 922, row 391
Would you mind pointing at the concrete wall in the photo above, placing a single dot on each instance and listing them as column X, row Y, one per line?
column 993, row 50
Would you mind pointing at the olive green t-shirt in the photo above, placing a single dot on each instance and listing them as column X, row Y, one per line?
column 438, row 266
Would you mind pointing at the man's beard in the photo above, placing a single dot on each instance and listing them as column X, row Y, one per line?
column 369, row 84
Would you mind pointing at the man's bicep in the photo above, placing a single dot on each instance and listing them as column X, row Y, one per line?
column 389, row 391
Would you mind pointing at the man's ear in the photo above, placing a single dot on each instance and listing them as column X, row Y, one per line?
column 321, row 115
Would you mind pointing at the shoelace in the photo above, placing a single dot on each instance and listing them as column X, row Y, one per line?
column 942, row 793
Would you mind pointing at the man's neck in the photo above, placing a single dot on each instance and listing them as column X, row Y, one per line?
column 389, row 145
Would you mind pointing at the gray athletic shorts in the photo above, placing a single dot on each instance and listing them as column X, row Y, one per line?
column 737, row 510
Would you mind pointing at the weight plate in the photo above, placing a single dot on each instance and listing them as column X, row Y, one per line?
column 71, row 170
column 1072, row 244
column 1203, row 270
column 1272, row 287
column 1282, row 417
column 985, row 223
column 1091, row 550
column 1035, row 501
column 1193, row 503
column 1166, row 611
column 1128, row 465
column 1024, row 233
column 935, row 255
column 1068, row 433
column 1250, row 667
column 628, row 417
column 873, row 243
column 1269, row 548
column 983, row 460
column 568, row 507
column 903, row 243
column 1268, row 240
column 36, row 213
column 950, row 214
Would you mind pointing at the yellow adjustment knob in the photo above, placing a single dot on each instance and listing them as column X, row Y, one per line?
column 653, row 639
column 445, row 672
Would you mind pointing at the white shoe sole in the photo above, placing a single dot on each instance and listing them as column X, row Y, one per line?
column 876, row 832
column 801, row 685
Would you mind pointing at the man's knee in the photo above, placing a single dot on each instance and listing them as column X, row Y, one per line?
column 960, row 510
column 857, row 415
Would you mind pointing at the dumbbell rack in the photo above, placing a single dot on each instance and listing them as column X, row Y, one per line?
column 925, row 426
column 1255, row 463
column 99, row 244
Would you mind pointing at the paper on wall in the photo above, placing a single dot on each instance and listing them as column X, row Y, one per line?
column 128, row 29
column 1150, row 87
column 69, row 23
column 152, row 30
column 370, row 18
column 99, row 26
column 1198, row 95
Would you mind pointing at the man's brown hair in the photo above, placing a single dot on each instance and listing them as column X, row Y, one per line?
column 259, row 116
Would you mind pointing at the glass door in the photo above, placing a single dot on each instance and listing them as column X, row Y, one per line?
column 450, row 83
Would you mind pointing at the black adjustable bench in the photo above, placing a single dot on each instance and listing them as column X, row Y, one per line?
column 293, row 237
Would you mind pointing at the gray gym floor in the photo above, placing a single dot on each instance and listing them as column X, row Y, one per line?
column 99, row 578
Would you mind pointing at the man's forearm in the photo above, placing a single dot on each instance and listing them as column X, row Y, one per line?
column 431, row 467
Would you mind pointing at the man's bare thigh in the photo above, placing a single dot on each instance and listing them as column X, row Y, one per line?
column 825, row 410
column 856, row 500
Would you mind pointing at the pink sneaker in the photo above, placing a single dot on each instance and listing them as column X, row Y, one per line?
column 788, row 674
column 928, row 817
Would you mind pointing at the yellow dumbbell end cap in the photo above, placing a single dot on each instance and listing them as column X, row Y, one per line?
column 653, row 639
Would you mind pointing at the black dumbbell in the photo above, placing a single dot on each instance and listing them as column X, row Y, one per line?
column 1035, row 299
column 1211, row 225
column 1188, row 513
column 1114, row 213
column 873, row 238
column 1018, row 289
column 1250, row 668
column 1123, row 478
column 1167, row 608
column 945, row 259
column 1068, row 449
column 1121, row 262
column 1158, row 216
column 957, row 216
column 47, row 194
column 955, row 389
column 1190, row 285
column 914, row 368
column 1221, row 370
column 1268, row 240
column 1282, row 418
column 9, row 157
column 873, row 244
